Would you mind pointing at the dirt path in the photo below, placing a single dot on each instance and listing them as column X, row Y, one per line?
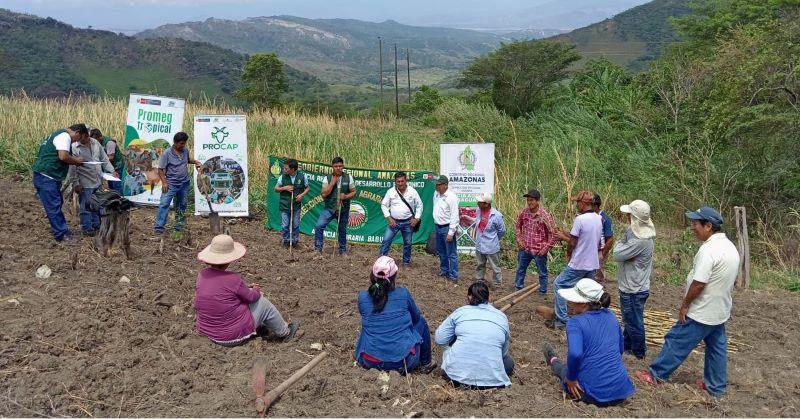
column 81, row 343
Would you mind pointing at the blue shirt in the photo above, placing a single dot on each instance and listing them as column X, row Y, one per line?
column 388, row 335
column 482, row 337
column 174, row 166
column 608, row 225
column 488, row 240
column 594, row 356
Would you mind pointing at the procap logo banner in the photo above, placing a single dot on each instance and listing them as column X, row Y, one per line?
column 366, row 223
column 470, row 168
column 220, row 143
column 152, row 122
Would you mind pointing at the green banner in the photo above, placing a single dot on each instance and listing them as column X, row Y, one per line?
column 366, row 224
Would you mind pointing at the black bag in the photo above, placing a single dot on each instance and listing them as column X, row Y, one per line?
column 413, row 215
column 105, row 202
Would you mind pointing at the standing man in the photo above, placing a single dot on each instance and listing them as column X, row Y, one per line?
column 634, row 254
column 607, row 241
column 88, row 177
column 338, row 189
column 291, row 185
column 705, row 309
column 491, row 228
column 50, row 169
column 535, row 238
column 402, row 208
column 114, row 155
column 582, row 244
column 446, row 218
column 174, row 174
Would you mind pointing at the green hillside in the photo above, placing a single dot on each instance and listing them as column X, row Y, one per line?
column 48, row 58
column 632, row 38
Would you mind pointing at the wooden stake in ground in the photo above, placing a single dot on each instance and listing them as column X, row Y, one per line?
column 263, row 403
column 519, row 298
column 743, row 242
column 512, row 295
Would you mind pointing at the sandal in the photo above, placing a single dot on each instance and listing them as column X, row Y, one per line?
column 646, row 377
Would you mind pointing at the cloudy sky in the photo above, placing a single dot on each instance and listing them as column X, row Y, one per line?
column 131, row 16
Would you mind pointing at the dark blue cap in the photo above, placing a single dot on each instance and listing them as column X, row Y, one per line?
column 707, row 214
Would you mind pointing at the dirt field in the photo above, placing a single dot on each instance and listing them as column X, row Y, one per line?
column 81, row 343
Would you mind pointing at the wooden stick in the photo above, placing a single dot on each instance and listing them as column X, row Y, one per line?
column 275, row 393
column 521, row 297
column 512, row 295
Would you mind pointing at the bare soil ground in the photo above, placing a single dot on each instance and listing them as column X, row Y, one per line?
column 81, row 343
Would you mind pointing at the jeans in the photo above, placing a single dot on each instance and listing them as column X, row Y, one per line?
column 181, row 195
column 49, row 192
column 493, row 262
column 403, row 227
column 632, row 307
column 90, row 220
column 681, row 340
column 295, row 225
column 524, row 259
column 116, row 185
column 448, row 256
column 560, row 370
column 421, row 355
column 567, row 279
column 325, row 217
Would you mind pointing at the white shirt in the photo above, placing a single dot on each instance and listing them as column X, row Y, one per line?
column 62, row 142
column 716, row 264
column 393, row 206
column 445, row 210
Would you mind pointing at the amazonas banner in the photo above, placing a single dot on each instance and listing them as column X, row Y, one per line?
column 220, row 144
column 152, row 122
column 366, row 223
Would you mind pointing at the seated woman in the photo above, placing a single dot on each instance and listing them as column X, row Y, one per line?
column 477, row 338
column 594, row 372
column 229, row 311
column 394, row 335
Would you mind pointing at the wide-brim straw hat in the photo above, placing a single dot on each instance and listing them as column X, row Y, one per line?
column 222, row 250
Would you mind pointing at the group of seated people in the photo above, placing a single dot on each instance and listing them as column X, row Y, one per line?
column 395, row 336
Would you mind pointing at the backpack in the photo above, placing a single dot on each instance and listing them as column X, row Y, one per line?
column 105, row 202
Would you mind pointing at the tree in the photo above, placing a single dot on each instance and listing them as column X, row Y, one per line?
column 264, row 82
column 712, row 18
column 519, row 76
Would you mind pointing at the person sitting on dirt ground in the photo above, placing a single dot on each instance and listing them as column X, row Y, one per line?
column 476, row 338
column 291, row 184
column 634, row 254
column 87, row 178
column 338, row 189
column 394, row 334
column 607, row 239
column 175, row 182
column 582, row 244
column 491, row 228
column 705, row 309
column 230, row 312
column 50, row 169
column 594, row 372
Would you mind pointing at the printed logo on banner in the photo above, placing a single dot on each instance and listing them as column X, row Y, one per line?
column 467, row 159
column 219, row 134
column 275, row 169
column 357, row 216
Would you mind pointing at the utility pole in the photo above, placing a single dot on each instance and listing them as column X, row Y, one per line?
column 396, row 87
column 380, row 74
column 408, row 71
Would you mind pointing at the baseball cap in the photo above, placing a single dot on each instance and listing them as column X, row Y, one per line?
column 484, row 197
column 707, row 214
column 442, row 179
column 584, row 196
column 384, row 267
column 533, row 193
column 585, row 291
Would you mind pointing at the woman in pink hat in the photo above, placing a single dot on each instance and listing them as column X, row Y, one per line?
column 229, row 311
column 394, row 335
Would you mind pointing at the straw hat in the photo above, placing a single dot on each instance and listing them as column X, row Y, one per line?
column 585, row 291
column 641, row 224
column 221, row 251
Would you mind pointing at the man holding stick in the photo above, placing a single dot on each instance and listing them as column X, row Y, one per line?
column 293, row 187
column 535, row 238
column 338, row 189
column 705, row 309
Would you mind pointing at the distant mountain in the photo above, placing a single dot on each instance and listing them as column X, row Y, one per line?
column 632, row 38
column 48, row 58
column 336, row 50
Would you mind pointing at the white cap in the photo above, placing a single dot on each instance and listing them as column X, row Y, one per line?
column 585, row 291
column 484, row 197
column 641, row 224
